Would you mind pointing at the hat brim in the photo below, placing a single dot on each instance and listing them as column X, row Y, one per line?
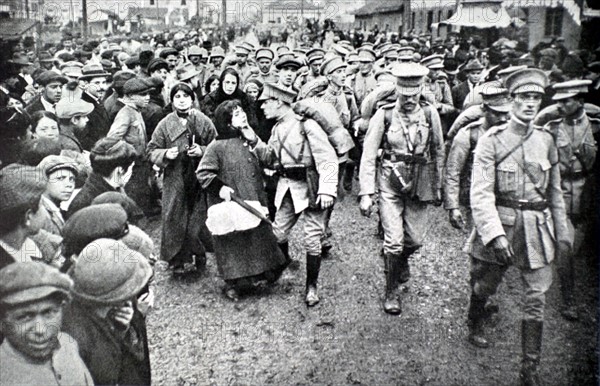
column 564, row 95
column 33, row 294
column 529, row 88
column 92, row 76
column 365, row 60
column 435, row 67
column 409, row 90
column 455, row 72
column 188, row 76
column 506, row 108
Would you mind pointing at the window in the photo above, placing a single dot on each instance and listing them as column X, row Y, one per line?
column 554, row 17
column 429, row 20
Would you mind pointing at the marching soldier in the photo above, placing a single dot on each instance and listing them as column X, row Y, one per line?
column 574, row 135
column 519, row 212
column 438, row 90
column 459, row 165
column 266, row 72
column 363, row 82
column 308, row 165
column 314, row 58
column 408, row 174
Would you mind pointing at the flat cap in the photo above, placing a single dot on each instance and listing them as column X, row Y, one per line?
column 120, row 78
column 133, row 60
column 265, row 53
column 274, row 91
column 48, row 77
column 52, row 163
column 168, row 52
column 157, row 64
column 571, row 88
column 27, row 282
column 410, row 77
column 332, row 64
column 134, row 212
column 21, row 187
column 433, row 62
column 91, row 223
column 473, row 65
column 66, row 109
column 527, row 80
column 107, row 272
column 136, row 86
column 242, row 50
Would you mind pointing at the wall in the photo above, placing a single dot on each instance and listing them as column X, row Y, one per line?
column 537, row 25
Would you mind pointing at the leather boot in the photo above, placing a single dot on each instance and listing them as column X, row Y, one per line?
column 476, row 317
column 404, row 265
column 531, row 342
column 313, row 265
column 392, row 304
column 292, row 264
column 567, row 285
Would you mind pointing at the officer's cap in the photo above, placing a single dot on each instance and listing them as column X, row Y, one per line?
column 332, row 64
column 315, row 54
column 274, row 91
column 571, row 88
column 527, row 80
column 433, row 62
column 406, row 53
column 496, row 97
column 288, row 60
column 366, row 55
column 242, row 50
column 265, row 53
column 410, row 77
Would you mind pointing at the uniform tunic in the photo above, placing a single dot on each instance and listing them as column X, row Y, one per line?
column 362, row 85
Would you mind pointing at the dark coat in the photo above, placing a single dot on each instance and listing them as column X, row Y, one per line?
column 252, row 252
column 210, row 103
column 5, row 259
column 35, row 105
column 183, row 201
column 93, row 187
column 112, row 358
column 98, row 125
column 113, row 105
column 459, row 94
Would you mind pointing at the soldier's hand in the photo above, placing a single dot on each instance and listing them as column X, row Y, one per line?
column 502, row 248
column 172, row 153
column 225, row 193
column 325, row 200
column 456, row 219
column 366, row 204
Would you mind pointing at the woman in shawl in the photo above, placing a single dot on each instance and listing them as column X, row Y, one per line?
column 177, row 145
column 228, row 167
column 229, row 88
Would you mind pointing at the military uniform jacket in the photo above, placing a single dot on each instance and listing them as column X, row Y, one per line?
column 292, row 142
column 441, row 93
column 496, row 175
column 459, row 165
column 362, row 85
column 270, row 77
column 304, row 78
column 576, row 153
column 425, row 134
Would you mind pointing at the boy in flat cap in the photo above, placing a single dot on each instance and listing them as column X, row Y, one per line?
column 73, row 120
column 519, row 215
column 574, row 134
column 407, row 174
column 21, row 189
column 35, row 351
column 308, row 166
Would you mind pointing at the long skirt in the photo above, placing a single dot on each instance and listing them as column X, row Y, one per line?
column 249, row 253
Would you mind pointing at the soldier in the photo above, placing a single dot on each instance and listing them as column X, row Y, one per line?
column 438, row 90
column 408, row 175
column 288, row 67
column 314, row 58
column 217, row 54
column 363, row 82
column 241, row 64
column 459, row 165
column 264, row 60
column 574, row 136
column 308, row 165
column 519, row 212
column 195, row 57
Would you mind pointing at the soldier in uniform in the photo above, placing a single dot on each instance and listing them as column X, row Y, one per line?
column 519, row 215
column 307, row 162
column 217, row 54
column 241, row 65
column 438, row 90
column 408, row 174
column 288, row 67
column 363, row 82
column 574, row 136
column 314, row 58
column 459, row 164
column 266, row 72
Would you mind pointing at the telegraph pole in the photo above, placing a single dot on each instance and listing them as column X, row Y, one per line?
column 84, row 22
column 224, row 12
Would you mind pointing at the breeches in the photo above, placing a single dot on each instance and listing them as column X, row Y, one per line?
column 486, row 277
column 314, row 224
column 404, row 222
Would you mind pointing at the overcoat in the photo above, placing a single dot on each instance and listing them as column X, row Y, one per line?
column 183, row 201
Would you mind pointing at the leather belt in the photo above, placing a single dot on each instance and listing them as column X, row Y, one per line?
column 522, row 204
column 574, row 175
column 408, row 158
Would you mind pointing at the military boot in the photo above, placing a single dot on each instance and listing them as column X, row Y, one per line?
column 313, row 265
column 475, row 321
column 292, row 264
column 392, row 304
column 531, row 342
column 567, row 285
column 404, row 264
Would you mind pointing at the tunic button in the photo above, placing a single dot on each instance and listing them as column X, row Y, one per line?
column 249, row 159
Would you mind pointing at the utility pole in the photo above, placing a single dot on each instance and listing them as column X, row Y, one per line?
column 26, row 9
column 84, row 22
column 224, row 12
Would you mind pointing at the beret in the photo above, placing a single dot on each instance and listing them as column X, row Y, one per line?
column 136, row 86
column 47, row 77
column 66, row 109
column 91, row 223
column 107, row 272
column 26, row 282
column 21, row 187
column 53, row 163
column 134, row 212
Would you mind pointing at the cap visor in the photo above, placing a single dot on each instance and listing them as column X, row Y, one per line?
column 529, row 88
column 560, row 96
column 32, row 294
column 500, row 108
column 408, row 91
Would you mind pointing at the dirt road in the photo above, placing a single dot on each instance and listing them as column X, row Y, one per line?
column 197, row 336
